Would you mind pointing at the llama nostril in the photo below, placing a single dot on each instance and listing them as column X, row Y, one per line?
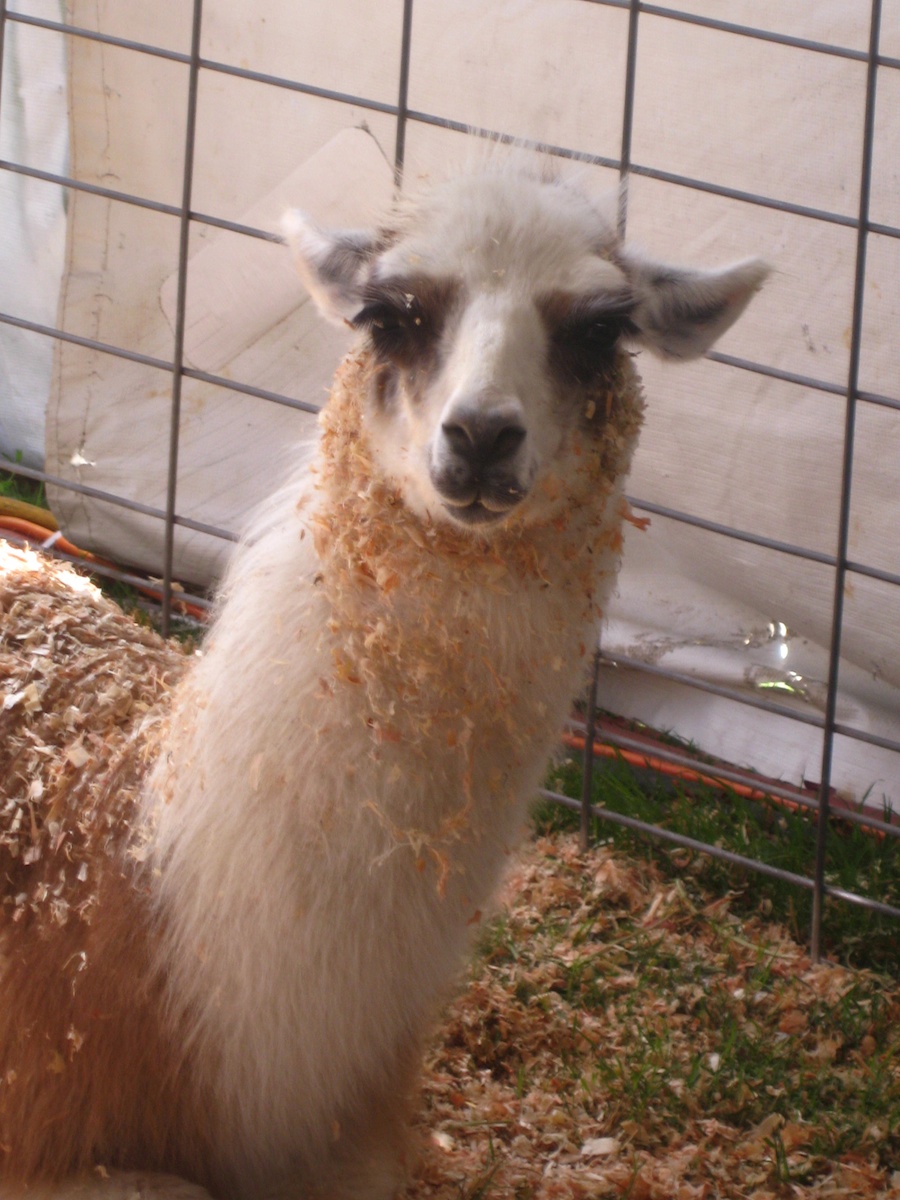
column 482, row 440
column 459, row 439
column 507, row 442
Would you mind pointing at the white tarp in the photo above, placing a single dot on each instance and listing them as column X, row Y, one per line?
column 720, row 443
column 33, row 106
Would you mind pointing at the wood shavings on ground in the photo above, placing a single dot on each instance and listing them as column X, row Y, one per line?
column 622, row 1037
column 80, row 683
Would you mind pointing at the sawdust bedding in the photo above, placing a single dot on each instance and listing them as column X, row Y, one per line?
column 512, row 1103
column 561, row 1071
column 80, row 684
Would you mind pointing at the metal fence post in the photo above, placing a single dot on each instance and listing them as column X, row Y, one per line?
column 180, row 305
column 403, row 93
column 846, row 485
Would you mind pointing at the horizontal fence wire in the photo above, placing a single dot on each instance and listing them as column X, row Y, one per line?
column 657, row 833
column 196, row 64
column 114, row 498
column 750, row 699
column 405, row 114
column 721, row 773
column 150, row 587
column 753, row 32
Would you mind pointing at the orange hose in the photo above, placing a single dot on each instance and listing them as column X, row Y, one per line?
column 688, row 775
column 685, row 774
column 40, row 534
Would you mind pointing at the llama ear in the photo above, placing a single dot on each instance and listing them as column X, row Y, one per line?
column 680, row 313
column 332, row 265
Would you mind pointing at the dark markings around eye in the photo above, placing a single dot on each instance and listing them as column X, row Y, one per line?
column 385, row 384
column 405, row 317
column 584, row 332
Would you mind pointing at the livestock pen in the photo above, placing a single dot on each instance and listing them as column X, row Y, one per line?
column 623, row 1033
column 760, row 614
column 804, row 510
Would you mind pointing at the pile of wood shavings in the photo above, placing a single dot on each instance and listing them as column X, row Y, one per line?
column 80, row 686
column 531, row 1092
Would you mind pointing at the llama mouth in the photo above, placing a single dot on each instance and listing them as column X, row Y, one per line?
column 480, row 511
column 473, row 514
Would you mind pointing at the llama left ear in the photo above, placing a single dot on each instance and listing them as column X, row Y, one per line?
column 332, row 265
column 680, row 313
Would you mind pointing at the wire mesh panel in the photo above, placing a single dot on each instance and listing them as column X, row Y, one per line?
column 705, row 109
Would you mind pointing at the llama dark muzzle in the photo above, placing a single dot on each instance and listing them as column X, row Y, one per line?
column 475, row 468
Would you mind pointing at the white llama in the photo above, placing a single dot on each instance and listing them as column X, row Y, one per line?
column 239, row 996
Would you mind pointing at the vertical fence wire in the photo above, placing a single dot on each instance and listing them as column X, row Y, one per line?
column 184, row 235
column 403, row 93
column 634, row 12
column 846, row 481
column 2, row 43
column 587, row 777
column 587, row 758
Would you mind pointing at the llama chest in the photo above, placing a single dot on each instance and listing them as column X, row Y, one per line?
column 452, row 689
column 443, row 666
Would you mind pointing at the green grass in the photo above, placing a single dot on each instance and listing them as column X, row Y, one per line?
column 148, row 612
column 857, row 860
column 17, row 487
column 615, row 998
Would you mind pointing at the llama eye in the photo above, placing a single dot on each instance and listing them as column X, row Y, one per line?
column 583, row 350
column 594, row 337
column 397, row 333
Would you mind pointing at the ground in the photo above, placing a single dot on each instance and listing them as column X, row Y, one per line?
column 622, row 1034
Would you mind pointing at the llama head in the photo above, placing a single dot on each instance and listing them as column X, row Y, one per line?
column 496, row 307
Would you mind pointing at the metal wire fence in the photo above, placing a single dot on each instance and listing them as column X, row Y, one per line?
column 196, row 66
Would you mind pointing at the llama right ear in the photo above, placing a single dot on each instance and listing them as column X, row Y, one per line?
column 332, row 265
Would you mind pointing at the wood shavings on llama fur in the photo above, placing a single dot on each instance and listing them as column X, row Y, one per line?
column 276, row 911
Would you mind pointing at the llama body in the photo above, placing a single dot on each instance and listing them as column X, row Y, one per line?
column 346, row 770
